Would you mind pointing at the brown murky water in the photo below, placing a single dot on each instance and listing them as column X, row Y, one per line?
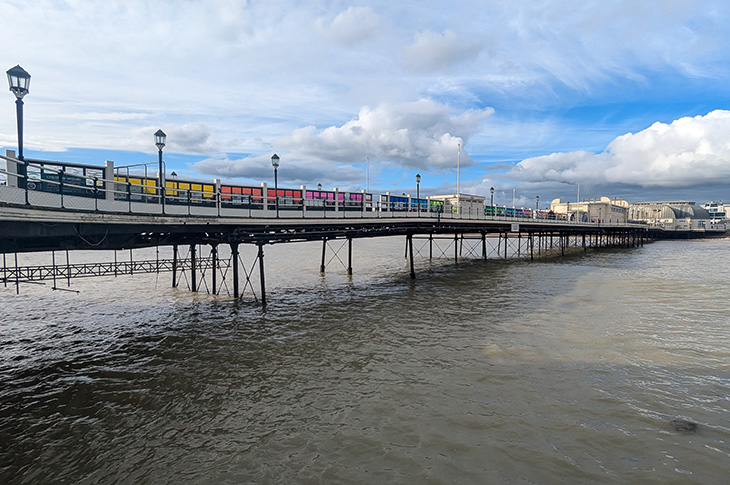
column 560, row 371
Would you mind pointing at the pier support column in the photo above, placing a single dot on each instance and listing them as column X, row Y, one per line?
column 234, row 257
column 532, row 246
column 193, row 273
column 324, row 251
column 261, row 273
column 214, row 257
column 174, row 265
column 430, row 246
column 484, row 246
column 456, row 248
column 410, row 250
column 349, row 256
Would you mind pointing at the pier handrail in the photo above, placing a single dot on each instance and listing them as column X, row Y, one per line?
column 80, row 192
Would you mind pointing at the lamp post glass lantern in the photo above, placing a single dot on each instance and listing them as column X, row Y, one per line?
column 491, row 201
column 418, row 191
column 537, row 202
column 275, row 164
column 19, row 81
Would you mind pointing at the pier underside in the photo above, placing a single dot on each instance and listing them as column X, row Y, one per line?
column 206, row 256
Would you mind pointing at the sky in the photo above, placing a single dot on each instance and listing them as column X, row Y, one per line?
column 549, row 98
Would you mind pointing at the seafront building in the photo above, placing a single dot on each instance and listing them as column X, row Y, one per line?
column 609, row 210
column 469, row 204
column 717, row 210
column 676, row 215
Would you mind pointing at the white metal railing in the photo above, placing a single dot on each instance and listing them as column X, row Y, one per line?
column 77, row 192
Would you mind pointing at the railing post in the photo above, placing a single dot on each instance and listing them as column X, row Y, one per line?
column 303, row 188
column 60, row 185
column 96, row 194
column 109, row 182
column 129, row 193
column 12, row 169
column 217, row 183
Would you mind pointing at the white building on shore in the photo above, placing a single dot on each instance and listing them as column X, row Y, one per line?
column 599, row 209
column 464, row 204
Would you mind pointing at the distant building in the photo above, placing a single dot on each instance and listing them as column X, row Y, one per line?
column 716, row 209
column 599, row 209
column 675, row 215
column 471, row 205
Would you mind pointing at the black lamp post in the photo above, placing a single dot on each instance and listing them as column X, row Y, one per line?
column 160, row 139
column 491, row 201
column 537, row 202
column 275, row 164
column 19, row 81
column 418, row 192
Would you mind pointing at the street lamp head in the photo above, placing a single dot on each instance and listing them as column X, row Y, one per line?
column 418, row 178
column 173, row 174
column 491, row 190
column 319, row 186
column 160, row 138
column 19, row 81
column 275, row 160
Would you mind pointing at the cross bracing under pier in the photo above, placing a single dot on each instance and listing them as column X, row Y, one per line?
column 224, row 269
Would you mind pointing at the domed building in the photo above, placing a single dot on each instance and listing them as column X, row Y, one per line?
column 674, row 216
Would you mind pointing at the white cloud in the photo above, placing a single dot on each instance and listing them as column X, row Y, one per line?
column 431, row 51
column 686, row 153
column 293, row 171
column 351, row 26
column 422, row 134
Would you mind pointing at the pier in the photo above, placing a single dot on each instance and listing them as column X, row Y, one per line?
column 202, row 226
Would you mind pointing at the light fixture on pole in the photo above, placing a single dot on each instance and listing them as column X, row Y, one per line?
column 491, row 202
column 418, row 192
column 319, row 186
column 19, row 81
column 537, row 202
column 275, row 164
column 160, row 139
column 458, row 171
column 367, row 174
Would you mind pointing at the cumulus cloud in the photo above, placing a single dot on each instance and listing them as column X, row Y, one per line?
column 350, row 26
column 431, row 51
column 688, row 152
column 293, row 171
column 422, row 134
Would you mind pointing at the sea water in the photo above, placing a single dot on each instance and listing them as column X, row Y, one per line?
column 561, row 370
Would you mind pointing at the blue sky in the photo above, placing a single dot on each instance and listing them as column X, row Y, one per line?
column 625, row 98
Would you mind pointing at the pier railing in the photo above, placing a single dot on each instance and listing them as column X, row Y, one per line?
column 92, row 188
